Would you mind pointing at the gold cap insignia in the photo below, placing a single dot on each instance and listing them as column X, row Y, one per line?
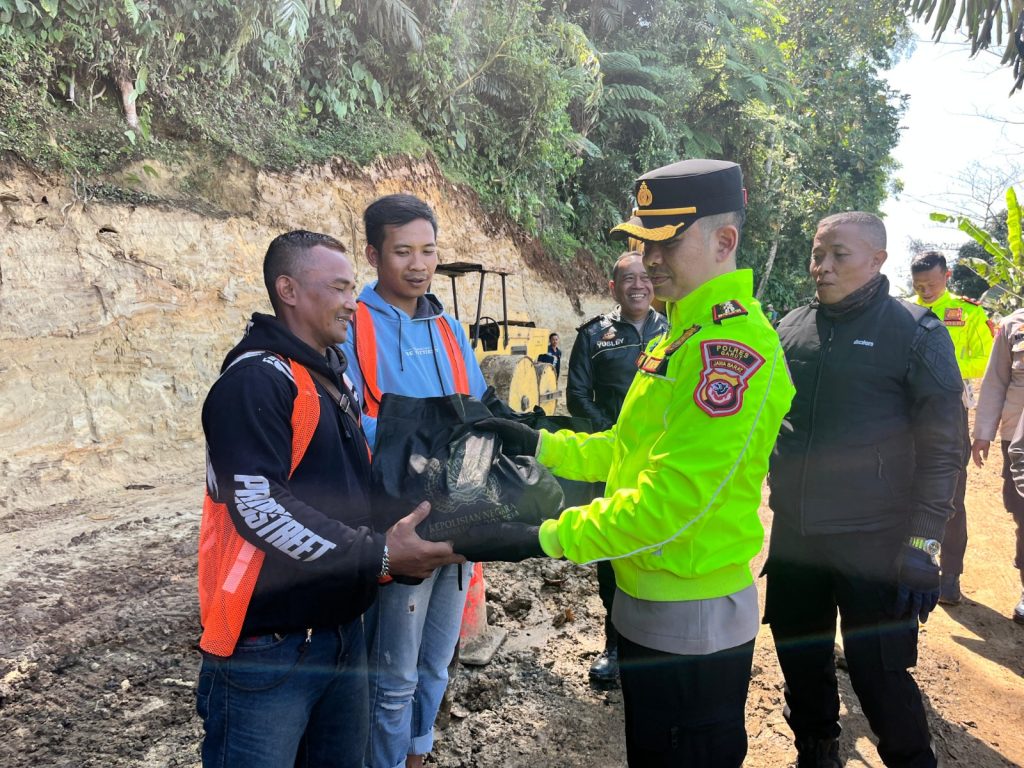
column 644, row 196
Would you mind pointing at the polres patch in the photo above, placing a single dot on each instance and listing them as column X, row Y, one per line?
column 728, row 365
column 953, row 316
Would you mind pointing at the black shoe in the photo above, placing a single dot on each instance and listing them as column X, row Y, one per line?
column 949, row 592
column 605, row 668
column 818, row 753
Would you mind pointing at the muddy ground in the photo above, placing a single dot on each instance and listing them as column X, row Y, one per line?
column 98, row 664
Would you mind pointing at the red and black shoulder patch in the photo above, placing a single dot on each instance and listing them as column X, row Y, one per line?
column 969, row 300
column 728, row 366
column 727, row 309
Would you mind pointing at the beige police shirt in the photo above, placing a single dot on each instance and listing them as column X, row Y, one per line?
column 1001, row 400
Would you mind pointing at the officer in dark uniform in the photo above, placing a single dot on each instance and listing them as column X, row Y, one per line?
column 601, row 368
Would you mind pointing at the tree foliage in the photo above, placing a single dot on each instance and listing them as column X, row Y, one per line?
column 548, row 108
column 978, row 20
column 1001, row 263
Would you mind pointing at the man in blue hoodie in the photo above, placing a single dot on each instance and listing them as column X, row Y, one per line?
column 402, row 341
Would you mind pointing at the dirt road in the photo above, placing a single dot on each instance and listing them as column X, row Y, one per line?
column 97, row 664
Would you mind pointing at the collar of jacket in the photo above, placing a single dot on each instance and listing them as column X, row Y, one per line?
column 942, row 298
column 695, row 307
column 616, row 316
column 428, row 306
column 872, row 292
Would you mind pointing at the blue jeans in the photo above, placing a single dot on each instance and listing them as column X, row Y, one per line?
column 412, row 632
column 281, row 701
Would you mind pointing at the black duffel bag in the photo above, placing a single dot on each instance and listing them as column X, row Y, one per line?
column 429, row 449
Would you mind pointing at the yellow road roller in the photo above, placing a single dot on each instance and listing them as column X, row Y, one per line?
column 507, row 350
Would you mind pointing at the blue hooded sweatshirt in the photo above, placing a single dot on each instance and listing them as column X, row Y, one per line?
column 411, row 357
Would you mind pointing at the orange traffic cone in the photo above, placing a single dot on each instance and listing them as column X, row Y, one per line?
column 478, row 642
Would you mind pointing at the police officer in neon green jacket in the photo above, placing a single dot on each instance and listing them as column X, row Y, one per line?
column 966, row 321
column 684, row 466
column 972, row 335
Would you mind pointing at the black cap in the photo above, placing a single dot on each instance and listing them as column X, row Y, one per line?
column 676, row 195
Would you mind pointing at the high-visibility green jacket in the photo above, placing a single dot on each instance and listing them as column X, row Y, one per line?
column 685, row 462
column 968, row 326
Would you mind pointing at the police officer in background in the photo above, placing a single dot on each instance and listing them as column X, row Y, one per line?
column 602, row 365
column 1000, row 410
column 861, row 483
column 971, row 332
column 684, row 465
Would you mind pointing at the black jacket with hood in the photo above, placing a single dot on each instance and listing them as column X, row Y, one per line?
column 321, row 565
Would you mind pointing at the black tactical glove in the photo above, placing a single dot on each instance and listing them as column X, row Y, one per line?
column 506, row 542
column 516, row 439
column 917, row 586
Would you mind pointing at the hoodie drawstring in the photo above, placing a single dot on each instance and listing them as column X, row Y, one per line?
column 440, row 378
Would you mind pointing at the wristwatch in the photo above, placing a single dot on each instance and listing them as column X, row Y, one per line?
column 385, row 566
column 930, row 546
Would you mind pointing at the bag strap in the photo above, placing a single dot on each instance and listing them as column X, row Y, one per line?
column 455, row 358
column 366, row 358
column 366, row 354
column 305, row 413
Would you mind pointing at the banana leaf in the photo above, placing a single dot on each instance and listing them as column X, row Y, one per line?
column 1013, row 224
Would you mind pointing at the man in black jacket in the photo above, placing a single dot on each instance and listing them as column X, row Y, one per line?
column 602, row 365
column 862, row 481
column 288, row 560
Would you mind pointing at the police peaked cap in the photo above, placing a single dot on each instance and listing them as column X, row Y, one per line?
column 670, row 198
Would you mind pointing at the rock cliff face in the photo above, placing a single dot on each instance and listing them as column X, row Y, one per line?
column 114, row 318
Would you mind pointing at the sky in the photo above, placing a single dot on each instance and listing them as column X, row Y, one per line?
column 943, row 132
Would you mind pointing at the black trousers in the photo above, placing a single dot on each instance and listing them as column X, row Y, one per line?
column 577, row 493
column 1014, row 504
column 954, row 539
column 811, row 579
column 684, row 711
column 606, row 590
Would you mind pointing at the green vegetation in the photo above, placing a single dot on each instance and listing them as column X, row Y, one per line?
column 1000, row 266
column 547, row 108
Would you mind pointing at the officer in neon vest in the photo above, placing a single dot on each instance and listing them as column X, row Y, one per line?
column 683, row 466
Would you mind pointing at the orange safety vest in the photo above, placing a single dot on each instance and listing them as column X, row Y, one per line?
column 366, row 352
column 228, row 564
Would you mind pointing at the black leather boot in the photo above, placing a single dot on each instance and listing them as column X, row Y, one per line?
column 605, row 668
column 818, row 753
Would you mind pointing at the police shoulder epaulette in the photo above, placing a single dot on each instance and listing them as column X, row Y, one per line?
column 969, row 300
column 727, row 310
column 590, row 322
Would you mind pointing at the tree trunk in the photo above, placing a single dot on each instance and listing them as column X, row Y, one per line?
column 127, row 88
column 768, row 266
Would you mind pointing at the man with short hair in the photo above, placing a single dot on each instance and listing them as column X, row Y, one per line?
column 683, row 466
column 1000, row 409
column 971, row 332
column 402, row 341
column 602, row 365
column 288, row 561
column 861, row 483
column 554, row 353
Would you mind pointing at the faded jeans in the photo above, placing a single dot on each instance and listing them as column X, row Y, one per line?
column 412, row 632
column 285, row 700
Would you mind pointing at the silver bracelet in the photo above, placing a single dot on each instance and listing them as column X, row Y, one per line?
column 385, row 564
